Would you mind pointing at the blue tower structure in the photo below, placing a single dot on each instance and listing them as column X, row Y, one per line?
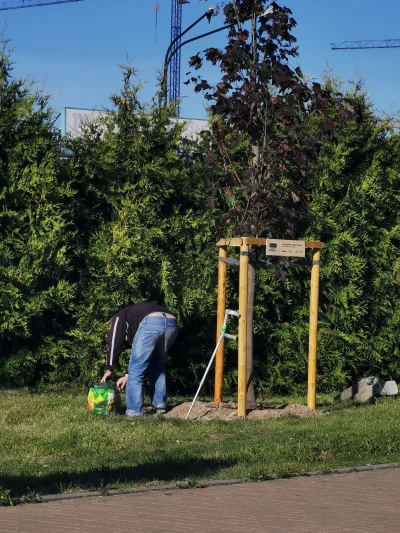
column 175, row 64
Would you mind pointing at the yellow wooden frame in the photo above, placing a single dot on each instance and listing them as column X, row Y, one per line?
column 244, row 243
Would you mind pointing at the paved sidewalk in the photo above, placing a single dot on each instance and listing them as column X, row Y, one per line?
column 348, row 503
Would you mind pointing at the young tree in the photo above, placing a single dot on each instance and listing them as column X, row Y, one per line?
column 264, row 105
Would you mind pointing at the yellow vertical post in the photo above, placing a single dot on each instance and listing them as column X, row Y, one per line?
column 219, row 358
column 242, row 341
column 312, row 346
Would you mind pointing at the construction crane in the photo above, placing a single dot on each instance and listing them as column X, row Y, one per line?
column 4, row 6
column 175, row 64
column 176, row 30
column 363, row 45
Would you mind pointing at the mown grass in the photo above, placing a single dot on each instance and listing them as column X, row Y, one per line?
column 49, row 444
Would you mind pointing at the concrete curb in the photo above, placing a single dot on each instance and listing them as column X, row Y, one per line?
column 213, row 483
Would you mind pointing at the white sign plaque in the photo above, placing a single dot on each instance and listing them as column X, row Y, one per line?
column 280, row 247
column 293, row 248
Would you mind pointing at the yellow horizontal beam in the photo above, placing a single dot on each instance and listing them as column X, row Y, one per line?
column 314, row 244
column 238, row 241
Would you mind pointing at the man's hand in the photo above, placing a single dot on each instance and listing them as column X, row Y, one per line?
column 121, row 383
column 107, row 375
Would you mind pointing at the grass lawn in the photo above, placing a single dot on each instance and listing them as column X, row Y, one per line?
column 49, row 444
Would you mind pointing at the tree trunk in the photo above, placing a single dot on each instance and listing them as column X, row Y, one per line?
column 250, row 394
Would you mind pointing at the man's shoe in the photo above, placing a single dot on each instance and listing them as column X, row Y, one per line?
column 132, row 414
column 160, row 409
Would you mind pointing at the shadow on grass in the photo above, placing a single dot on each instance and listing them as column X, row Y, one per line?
column 167, row 470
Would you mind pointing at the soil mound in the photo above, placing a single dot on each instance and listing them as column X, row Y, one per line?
column 228, row 411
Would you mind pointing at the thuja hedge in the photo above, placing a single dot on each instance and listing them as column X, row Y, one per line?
column 124, row 214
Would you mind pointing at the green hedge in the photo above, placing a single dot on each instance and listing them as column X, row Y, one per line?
column 122, row 214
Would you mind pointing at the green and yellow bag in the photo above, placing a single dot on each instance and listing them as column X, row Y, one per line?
column 103, row 399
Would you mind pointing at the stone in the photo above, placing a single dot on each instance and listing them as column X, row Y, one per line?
column 366, row 393
column 389, row 389
column 372, row 383
column 371, row 380
column 370, row 387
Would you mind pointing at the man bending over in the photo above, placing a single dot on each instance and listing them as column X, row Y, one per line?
column 151, row 330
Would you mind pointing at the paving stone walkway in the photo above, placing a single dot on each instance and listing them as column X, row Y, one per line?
column 348, row 503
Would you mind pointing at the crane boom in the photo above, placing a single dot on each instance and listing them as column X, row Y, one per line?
column 4, row 6
column 362, row 45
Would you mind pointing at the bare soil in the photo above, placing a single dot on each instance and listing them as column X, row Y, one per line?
column 228, row 411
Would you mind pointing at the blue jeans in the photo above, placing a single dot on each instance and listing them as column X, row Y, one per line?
column 149, row 349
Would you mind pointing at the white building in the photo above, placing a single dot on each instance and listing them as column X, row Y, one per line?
column 73, row 118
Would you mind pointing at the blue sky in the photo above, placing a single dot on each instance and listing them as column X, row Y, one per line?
column 75, row 48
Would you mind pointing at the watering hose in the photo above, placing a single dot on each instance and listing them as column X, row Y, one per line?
column 228, row 312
